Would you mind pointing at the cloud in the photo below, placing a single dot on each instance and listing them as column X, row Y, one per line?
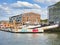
column 25, row 4
column 42, row 12
column 47, row 1
column 8, row 10
column 5, row 3
column 5, row 8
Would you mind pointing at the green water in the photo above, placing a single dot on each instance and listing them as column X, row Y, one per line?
column 7, row 38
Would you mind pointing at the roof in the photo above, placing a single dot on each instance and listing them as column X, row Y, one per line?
column 56, row 5
column 26, row 14
column 29, row 13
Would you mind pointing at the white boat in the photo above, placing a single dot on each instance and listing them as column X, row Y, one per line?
column 33, row 26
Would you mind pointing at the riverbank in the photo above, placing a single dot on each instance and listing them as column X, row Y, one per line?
column 55, row 30
column 51, row 28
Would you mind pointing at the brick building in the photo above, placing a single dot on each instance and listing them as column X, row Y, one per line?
column 4, row 24
column 30, row 18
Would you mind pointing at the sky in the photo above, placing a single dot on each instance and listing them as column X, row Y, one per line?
column 10, row 8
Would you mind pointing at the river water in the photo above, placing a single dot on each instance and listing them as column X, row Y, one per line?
column 7, row 38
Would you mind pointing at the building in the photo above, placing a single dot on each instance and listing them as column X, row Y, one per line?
column 17, row 18
column 26, row 18
column 54, row 13
column 31, row 18
column 5, row 24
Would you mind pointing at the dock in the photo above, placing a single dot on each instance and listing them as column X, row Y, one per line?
column 34, row 30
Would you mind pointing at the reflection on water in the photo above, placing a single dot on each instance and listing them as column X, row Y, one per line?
column 29, row 38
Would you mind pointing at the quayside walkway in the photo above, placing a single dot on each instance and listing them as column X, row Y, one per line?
column 50, row 27
column 40, row 29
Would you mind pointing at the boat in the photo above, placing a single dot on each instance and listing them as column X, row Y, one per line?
column 31, row 28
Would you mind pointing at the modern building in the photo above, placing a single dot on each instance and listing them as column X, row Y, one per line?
column 17, row 18
column 26, row 18
column 54, row 13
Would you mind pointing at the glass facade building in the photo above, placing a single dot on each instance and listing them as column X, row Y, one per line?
column 54, row 13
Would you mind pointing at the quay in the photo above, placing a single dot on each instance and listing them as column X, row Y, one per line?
column 31, row 30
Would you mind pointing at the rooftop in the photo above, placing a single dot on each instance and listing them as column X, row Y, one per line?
column 57, row 5
column 26, row 14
